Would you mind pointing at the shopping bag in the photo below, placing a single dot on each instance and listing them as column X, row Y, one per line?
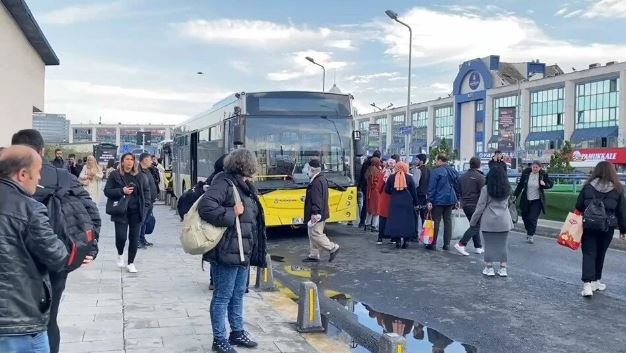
column 459, row 224
column 571, row 231
column 427, row 235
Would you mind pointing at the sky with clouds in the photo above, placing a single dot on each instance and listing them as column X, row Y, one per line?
column 137, row 60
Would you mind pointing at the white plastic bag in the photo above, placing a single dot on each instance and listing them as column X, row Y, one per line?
column 459, row 224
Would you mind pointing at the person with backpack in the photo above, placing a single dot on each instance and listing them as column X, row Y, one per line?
column 77, row 210
column 188, row 198
column 601, row 202
column 532, row 202
column 232, row 201
column 494, row 219
column 29, row 251
column 128, row 193
column 443, row 196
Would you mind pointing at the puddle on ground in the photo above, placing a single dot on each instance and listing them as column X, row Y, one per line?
column 419, row 338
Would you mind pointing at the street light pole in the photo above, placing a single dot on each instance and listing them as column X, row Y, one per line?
column 323, row 72
column 407, row 119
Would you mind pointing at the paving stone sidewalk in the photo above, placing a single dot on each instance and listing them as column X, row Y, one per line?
column 163, row 308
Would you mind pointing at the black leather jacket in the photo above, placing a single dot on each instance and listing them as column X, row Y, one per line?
column 29, row 249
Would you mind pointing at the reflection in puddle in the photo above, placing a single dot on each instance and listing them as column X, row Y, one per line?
column 418, row 337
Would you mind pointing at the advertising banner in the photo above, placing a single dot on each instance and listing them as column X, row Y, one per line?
column 506, row 130
column 373, row 140
column 613, row 155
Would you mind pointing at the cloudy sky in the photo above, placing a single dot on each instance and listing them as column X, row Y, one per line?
column 137, row 60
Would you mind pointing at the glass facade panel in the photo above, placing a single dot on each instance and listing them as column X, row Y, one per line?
column 546, row 115
column 444, row 123
column 397, row 121
column 382, row 121
column 420, row 119
column 106, row 135
column 597, row 104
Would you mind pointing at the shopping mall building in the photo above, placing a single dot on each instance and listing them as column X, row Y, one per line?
column 537, row 106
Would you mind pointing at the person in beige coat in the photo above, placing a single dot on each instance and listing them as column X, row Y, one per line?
column 90, row 178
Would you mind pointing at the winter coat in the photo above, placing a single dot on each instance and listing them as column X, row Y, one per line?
column 383, row 199
column 373, row 197
column 470, row 185
column 217, row 207
column 152, row 183
column 523, row 183
column 612, row 199
column 92, row 185
column 58, row 163
column 422, row 187
column 113, row 191
column 401, row 220
column 500, row 164
column 443, row 189
column 493, row 215
column 29, row 249
column 316, row 199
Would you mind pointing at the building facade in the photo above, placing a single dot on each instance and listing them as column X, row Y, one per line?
column 535, row 106
column 118, row 134
column 24, row 54
column 55, row 128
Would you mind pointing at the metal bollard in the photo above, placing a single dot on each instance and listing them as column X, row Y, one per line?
column 391, row 343
column 309, row 317
column 265, row 276
column 168, row 199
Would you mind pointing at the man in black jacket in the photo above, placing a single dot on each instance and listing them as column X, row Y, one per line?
column 316, row 213
column 29, row 249
column 49, row 181
column 497, row 160
column 470, row 185
column 422, row 179
column 362, row 185
column 58, row 161
column 145, row 165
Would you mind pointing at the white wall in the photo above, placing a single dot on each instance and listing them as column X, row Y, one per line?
column 22, row 74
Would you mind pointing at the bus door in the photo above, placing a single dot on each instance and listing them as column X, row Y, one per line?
column 193, row 150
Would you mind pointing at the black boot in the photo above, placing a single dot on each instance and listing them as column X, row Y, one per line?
column 241, row 339
column 223, row 347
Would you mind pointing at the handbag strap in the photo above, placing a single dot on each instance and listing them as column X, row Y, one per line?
column 237, row 221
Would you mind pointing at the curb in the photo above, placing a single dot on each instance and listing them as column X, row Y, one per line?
column 553, row 233
column 339, row 316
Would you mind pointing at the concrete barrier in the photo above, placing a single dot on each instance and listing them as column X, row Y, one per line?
column 309, row 316
column 265, row 276
column 391, row 343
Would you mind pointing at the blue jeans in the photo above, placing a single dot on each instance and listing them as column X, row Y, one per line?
column 32, row 343
column 230, row 286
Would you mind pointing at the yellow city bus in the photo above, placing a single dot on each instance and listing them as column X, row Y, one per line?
column 285, row 130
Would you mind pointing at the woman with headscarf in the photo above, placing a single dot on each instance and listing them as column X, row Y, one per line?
column 384, row 198
column 400, row 225
column 374, row 173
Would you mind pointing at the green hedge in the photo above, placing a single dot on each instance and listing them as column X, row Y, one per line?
column 559, row 204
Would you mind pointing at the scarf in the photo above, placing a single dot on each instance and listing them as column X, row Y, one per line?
column 402, row 169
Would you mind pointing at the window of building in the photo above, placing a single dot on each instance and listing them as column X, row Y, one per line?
column 420, row 119
column 444, row 123
column 382, row 122
column 597, row 104
column 480, row 105
column 546, row 110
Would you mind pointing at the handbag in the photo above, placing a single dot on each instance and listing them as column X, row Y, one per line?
column 571, row 231
column 150, row 223
column 117, row 208
column 427, row 234
column 513, row 209
column 199, row 236
column 459, row 224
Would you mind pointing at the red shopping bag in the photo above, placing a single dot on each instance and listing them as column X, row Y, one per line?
column 571, row 231
column 427, row 234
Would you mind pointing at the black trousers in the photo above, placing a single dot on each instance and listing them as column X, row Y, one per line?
column 363, row 213
column 57, row 281
column 594, row 245
column 131, row 231
column 444, row 212
column 531, row 215
column 382, row 222
column 423, row 211
column 471, row 232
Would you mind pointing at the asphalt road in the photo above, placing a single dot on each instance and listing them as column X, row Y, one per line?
column 538, row 308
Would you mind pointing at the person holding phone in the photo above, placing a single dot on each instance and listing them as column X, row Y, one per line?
column 128, row 182
column 498, row 160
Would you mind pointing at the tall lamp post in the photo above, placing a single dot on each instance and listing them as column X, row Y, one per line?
column 407, row 119
column 323, row 71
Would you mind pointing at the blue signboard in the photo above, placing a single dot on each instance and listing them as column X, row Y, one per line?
column 474, row 80
column 406, row 130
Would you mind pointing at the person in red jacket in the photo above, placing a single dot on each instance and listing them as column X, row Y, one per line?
column 384, row 198
column 374, row 172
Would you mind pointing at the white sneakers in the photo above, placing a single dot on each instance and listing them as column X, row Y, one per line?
column 489, row 272
column 120, row 261
column 502, row 272
column 597, row 285
column 587, row 290
column 131, row 268
column 461, row 249
column 479, row 250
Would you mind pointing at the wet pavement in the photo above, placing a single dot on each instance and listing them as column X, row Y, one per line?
column 441, row 302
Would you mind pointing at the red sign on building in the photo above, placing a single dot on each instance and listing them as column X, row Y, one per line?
column 613, row 155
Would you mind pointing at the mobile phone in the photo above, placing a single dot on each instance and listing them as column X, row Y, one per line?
column 131, row 185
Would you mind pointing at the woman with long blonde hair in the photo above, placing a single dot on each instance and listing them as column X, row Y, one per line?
column 90, row 178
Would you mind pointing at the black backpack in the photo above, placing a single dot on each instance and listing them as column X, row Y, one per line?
column 70, row 221
column 595, row 217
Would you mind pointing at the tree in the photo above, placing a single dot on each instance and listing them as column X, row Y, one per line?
column 443, row 148
column 560, row 160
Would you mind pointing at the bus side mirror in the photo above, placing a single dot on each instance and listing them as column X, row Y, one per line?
column 239, row 133
column 359, row 147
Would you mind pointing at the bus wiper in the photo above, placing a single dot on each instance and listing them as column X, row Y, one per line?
column 336, row 185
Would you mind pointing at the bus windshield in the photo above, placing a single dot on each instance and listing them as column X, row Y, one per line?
column 285, row 145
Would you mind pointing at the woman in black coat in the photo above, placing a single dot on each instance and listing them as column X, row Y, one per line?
column 531, row 187
column 603, row 185
column 400, row 225
column 127, row 182
column 229, row 265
